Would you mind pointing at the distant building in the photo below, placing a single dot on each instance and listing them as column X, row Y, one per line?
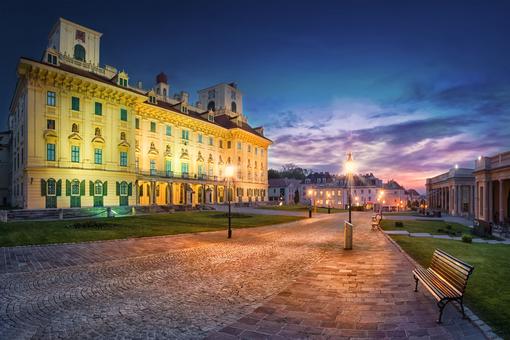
column 394, row 197
column 284, row 190
column 492, row 183
column 5, row 168
column 452, row 192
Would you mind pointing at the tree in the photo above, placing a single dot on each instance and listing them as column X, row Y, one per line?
column 272, row 173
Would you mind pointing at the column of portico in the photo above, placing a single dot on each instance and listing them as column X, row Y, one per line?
column 456, row 200
column 137, row 193
column 487, row 202
column 152, row 196
column 451, row 206
column 501, row 209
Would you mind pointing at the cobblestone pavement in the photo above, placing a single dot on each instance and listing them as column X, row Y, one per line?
column 367, row 292
column 291, row 280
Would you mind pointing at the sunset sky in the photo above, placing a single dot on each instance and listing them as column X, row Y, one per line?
column 410, row 88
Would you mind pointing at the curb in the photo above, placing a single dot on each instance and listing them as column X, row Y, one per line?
column 486, row 330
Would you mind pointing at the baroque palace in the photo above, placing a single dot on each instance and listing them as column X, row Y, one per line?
column 84, row 136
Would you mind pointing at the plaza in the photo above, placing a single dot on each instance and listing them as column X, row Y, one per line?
column 292, row 280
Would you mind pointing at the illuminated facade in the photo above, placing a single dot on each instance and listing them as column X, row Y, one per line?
column 82, row 136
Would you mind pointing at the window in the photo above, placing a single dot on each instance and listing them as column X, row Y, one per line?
column 97, row 132
column 168, row 167
column 211, row 141
column 211, row 106
column 249, row 148
column 123, row 82
column 256, row 151
column 153, row 167
column 123, row 158
column 98, row 109
column 229, row 144
column 50, row 152
column 152, row 99
column 98, row 188
column 75, row 188
column 122, row 136
column 233, row 95
column 200, row 169
column 79, row 52
column 74, row 128
column 185, row 134
column 233, row 107
column 184, row 168
column 123, row 115
column 52, row 59
column 221, row 144
column 98, row 156
column 200, row 138
column 211, row 94
column 239, row 146
column 52, row 187
column 210, row 117
column 137, row 123
column 50, row 124
column 168, row 130
column 123, row 189
column 75, row 154
column 153, row 126
column 75, row 103
column 51, row 98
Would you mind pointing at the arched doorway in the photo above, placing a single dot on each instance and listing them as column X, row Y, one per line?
column 79, row 52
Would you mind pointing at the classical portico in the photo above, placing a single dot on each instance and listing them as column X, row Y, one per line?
column 452, row 192
column 492, row 176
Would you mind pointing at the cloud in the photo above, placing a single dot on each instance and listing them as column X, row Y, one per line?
column 403, row 140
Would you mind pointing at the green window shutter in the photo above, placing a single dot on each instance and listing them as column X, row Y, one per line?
column 82, row 188
column 130, row 189
column 117, row 189
column 59, row 187
column 91, row 188
column 105, row 188
column 68, row 187
column 43, row 187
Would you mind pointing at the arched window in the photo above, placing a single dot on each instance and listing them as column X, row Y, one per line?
column 233, row 107
column 164, row 92
column 98, row 132
column 79, row 52
column 123, row 189
column 74, row 128
column 75, row 188
column 51, row 190
column 211, row 106
column 158, row 91
column 122, row 136
column 98, row 188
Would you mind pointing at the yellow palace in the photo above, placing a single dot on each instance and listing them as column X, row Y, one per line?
column 84, row 136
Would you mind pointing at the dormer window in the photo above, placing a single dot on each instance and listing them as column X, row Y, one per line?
column 210, row 117
column 184, row 108
column 51, row 59
column 123, row 82
column 152, row 99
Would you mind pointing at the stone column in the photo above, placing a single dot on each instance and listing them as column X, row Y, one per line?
column 459, row 200
column 137, row 193
column 487, row 201
column 452, row 205
column 152, row 196
column 501, row 209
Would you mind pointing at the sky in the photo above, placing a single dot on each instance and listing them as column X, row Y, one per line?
column 410, row 88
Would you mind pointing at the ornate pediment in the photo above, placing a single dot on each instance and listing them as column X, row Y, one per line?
column 184, row 154
column 75, row 136
column 199, row 157
column 98, row 140
column 168, row 151
column 124, row 144
column 50, row 134
column 153, row 150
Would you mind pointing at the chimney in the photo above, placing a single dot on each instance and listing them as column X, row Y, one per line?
column 139, row 85
column 184, row 97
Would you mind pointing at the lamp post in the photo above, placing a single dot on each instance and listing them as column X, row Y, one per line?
column 349, row 168
column 310, row 210
column 329, row 203
column 229, row 173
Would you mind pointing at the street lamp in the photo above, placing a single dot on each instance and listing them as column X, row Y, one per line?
column 310, row 192
column 349, row 169
column 329, row 203
column 229, row 173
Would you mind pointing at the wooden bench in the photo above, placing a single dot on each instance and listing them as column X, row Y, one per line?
column 445, row 279
column 376, row 222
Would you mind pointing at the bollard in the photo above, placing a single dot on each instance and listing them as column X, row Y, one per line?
column 310, row 213
column 133, row 211
column 347, row 235
column 109, row 212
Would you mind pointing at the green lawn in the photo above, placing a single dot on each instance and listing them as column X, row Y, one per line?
column 300, row 207
column 401, row 213
column 432, row 227
column 488, row 290
column 43, row 232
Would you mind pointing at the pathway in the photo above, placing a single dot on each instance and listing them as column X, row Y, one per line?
column 285, row 280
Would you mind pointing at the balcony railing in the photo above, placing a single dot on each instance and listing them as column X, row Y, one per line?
column 180, row 175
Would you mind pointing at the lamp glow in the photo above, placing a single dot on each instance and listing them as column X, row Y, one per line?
column 229, row 171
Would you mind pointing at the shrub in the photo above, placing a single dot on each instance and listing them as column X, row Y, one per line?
column 399, row 224
column 440, row 230
column 449, row 227
column 467, row 238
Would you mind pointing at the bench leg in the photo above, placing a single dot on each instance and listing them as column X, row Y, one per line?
column 416, row 287
column 462, row 308
column 441, row 304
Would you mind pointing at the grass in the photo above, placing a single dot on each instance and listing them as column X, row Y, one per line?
column 44, row 232
column 401, row 213
column 488, row 290
column 431, row 227
column 300, row 207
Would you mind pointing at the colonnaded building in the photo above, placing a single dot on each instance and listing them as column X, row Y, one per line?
column 83, row 136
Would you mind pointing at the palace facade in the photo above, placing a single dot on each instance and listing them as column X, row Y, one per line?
column 84, row 136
